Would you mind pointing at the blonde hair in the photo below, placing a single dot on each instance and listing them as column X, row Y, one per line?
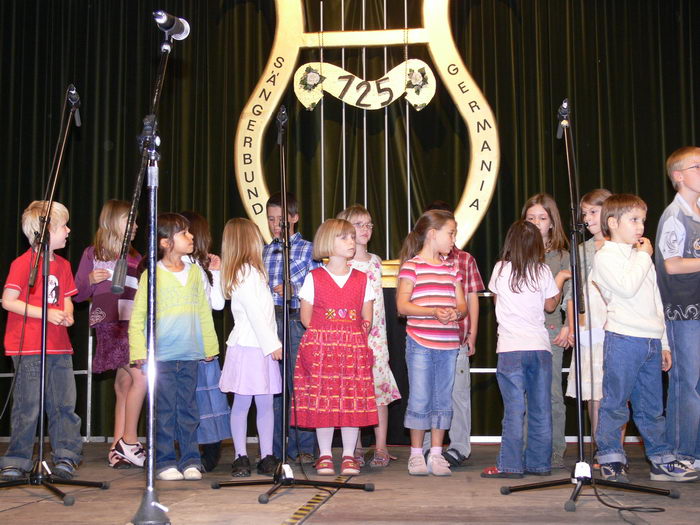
column 675, row 161
column 241, row 245
column 109, row 235
column 351, row 212
column 31, row 218
column 616, row 206
column 557, row 237
column 324, row 240
column 430, row 220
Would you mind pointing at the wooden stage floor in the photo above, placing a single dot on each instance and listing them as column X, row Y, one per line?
column 398, row 498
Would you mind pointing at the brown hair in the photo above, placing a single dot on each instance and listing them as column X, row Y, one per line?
column 168, row 225
column 596, row 197
column 324, row 239
column 675, row 160
column 524, row 249
column 109, row 235
column 241, row 245
column 199, row 228
column 430, row 220
column 31, row 218
column 276, row 200
column 356, row 210
column 557, row 237
column 616, row 206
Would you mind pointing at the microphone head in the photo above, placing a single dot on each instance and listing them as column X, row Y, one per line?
column 184, row 32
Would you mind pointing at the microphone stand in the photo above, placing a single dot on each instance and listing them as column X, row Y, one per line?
column 150, row 511
column 41, row 475
column 284, row 476
column 581, row 474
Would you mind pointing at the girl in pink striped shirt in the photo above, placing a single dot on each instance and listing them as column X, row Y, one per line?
column 429, row 294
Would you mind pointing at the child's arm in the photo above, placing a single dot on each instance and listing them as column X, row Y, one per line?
column 473, row 309
column 622, row 276
column 137, row 323
column 406, row 307
column 305, row 313
column 12, row 303
column 68, row 310
column 367, row 311
column 460, row 311
column 551, row 303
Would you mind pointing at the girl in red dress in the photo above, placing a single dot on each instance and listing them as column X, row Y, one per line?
column 333, row 384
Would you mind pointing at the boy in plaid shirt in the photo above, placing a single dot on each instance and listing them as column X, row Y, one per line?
column 300, row 263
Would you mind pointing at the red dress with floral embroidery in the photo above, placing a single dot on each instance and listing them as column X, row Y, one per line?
column 333, row 383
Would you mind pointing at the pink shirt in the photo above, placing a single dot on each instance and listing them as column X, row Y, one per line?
column 520, row 315
column 433, row 286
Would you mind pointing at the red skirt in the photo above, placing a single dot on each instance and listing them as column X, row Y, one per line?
column 333, row 383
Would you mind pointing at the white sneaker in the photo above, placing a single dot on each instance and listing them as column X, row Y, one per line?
column 416, row 465
column 438, row 465
column 192, row 474
column 134, row 454
column 172, row 474
column 696, row 464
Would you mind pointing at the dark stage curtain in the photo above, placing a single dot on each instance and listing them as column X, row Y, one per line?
column 628, row 67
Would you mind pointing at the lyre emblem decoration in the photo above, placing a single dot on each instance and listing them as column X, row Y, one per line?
column 290, row 38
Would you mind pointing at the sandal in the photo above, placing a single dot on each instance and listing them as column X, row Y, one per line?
column 381, row 458
column 324, row 466
column 493, row 472
column 360, row 456
column 349, row 466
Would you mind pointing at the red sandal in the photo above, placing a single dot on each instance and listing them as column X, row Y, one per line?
column 324, row 466
column 349, row 466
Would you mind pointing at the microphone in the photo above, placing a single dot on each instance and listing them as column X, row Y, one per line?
column 74, row 100
column 563, row 115
column 178, row 28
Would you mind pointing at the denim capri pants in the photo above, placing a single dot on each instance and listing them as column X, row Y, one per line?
column 431, row 375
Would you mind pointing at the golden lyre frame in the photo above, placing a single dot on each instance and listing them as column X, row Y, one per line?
column 290, row 38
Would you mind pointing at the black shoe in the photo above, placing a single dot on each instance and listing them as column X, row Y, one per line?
column 455, row 458
column 211, row 452
column 268, row 465
column 241, row 467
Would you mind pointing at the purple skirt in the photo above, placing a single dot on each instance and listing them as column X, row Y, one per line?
column 249, row 372
column 112, row 349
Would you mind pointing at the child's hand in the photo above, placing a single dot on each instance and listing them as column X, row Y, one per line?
column 55, row 316
column 139, row 363
column 99, row 275
column 209, row 358
column 644, row 245
column 68, row 320
column 214, row 262
column 666, row 360
column 278, row 289
column 444, row 314
column 562, row 339
column 564, row 275
column 471, row 344
column 277, row 354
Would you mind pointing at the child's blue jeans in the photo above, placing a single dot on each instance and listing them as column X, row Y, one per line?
column 632, row 372
column 431, row 375
column 177, row 416
column 525, row 374
column 63, row 422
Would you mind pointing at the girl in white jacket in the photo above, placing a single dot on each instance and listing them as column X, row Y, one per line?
column 253, row 346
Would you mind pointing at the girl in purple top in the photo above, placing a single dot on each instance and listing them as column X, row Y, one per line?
column 109, row 316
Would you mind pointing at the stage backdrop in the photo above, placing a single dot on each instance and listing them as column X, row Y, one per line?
column 629, row 69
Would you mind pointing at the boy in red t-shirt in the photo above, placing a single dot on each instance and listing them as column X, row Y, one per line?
column 23, row 344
